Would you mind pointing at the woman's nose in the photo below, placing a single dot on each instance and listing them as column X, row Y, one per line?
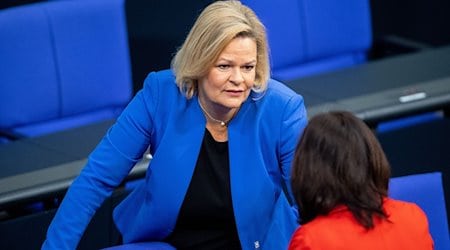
column 236, row 76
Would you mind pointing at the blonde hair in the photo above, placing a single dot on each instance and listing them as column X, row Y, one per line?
column 216, row 26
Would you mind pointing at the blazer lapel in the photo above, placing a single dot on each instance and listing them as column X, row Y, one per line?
column 251, row 188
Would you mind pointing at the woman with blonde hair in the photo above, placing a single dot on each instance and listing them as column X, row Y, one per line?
column 222, row 135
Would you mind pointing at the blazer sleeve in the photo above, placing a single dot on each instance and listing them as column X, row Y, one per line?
column 107, row 166
column 293, row 123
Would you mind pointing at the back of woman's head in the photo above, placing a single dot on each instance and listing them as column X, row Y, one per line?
column 218, row 24
column 339, row 161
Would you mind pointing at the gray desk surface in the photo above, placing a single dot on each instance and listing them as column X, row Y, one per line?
column 41, row 152
column 41, row 167
column 382, row 89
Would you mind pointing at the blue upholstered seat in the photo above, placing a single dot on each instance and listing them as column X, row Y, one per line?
column 427, row 192
column 63, row 64
column 308, row 37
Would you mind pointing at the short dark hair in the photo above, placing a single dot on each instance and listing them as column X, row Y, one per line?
column 339, row 161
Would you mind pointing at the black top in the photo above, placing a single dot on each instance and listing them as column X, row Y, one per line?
column 206, row 218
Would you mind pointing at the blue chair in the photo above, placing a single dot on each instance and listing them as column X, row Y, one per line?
column 308, row 37
column 408, row 121
column 427, row 192
column 63, row 64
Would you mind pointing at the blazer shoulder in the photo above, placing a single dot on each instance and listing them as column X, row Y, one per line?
column 405, row 209
column 161, row 83
column 162, row 76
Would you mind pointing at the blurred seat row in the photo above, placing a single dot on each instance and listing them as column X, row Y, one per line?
column 66, row 63
column 63, row 64
column 309, row 37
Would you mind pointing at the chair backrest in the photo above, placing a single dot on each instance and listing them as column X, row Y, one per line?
column 63, row 64
column 427, row 192
column 308, row 37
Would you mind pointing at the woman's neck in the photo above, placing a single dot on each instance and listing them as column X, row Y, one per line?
column 215, row 114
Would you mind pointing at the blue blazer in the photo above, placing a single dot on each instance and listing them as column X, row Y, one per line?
column 261, row 137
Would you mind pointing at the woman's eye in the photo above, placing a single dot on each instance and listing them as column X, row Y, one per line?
column 249, row 67
column 223, row 66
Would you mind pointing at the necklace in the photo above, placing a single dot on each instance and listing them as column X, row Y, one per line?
column 222, row 123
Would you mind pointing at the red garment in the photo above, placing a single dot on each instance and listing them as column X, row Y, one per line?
column 406, row 228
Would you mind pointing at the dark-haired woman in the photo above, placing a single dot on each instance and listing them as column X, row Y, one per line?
column 340, row 181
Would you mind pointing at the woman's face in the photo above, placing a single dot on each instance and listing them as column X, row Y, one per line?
column 228, row 83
